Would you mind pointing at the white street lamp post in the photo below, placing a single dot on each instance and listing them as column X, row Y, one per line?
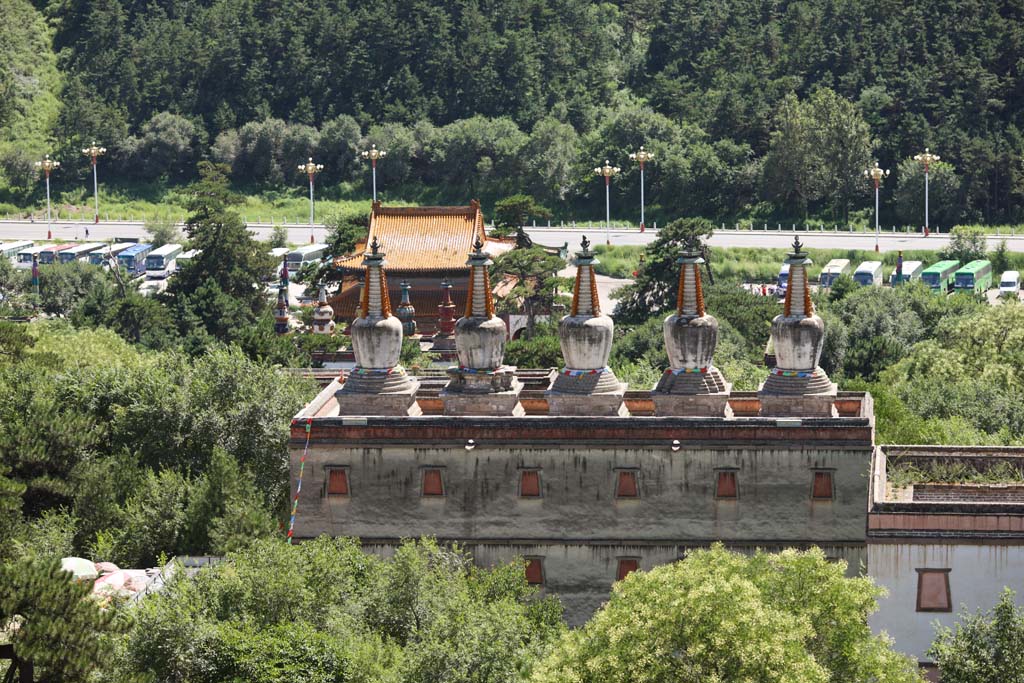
column 876, row 174
column 93, row 152
column 927, row 158
column 607, row 171
column 373, row 154
column 642, row 157
column 311, row 169
column 48, row 165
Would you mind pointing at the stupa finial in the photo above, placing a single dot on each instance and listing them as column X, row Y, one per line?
column 375, row 246
column 585, row 243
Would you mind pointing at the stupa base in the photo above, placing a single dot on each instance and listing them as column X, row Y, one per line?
column 797, row 393
column 482, row 393
column 583, row 405
column 690, row 383
column 373, row 392
column 693, row 405
column 443, row 343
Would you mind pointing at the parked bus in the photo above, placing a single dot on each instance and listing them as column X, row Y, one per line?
column 279, row 252
column 303, row 255
column 79, row 252
column 869, row 274
column 186, row 256
column 133, row 259
column 832, row 270
column 976, row 276
column 160, row 263
column 48, row 255
column 782, row 282
column 24, row 259
column 911, row 271
column 939, row 276
column 101, row 257
column 11, row 249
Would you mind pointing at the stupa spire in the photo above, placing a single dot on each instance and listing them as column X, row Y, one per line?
column 584, row 293
column 798, row 294
column 375, row 302
column 479, row 300
column 690, row 298
column 323, row 314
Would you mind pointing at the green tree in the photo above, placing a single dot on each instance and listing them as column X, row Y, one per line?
column 717, row 615
column 537, row 283
column 61, row 632
column 654, row 288
column 843, row 145
column 984, row 647
column 943, row 194
column 512, row 214
column 793, row 174
column 219, row 287
column 163, row 231
column 345, row 230
column 966, row 243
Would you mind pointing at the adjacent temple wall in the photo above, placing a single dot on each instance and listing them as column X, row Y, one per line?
column 579, row 527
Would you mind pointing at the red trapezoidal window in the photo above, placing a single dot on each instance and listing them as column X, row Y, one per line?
column 822, row 486
column 726, row 485
column 337, row 481
column 625, row 486
column 433, row 482
column 933, row 591
column 627, row 565
column 535, row 571
column 529, row 484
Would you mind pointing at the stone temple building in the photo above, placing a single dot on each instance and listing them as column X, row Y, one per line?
column 588, row 480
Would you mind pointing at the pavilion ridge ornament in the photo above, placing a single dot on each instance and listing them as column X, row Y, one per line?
column 481, row 384
column 797, row 385
column 378, row 385
column 692, row 386
column 406, row 312
column 586, row 385
column 323, row 314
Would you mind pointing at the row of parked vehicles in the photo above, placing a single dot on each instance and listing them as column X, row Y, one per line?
column 942, row 277
column 137, row 259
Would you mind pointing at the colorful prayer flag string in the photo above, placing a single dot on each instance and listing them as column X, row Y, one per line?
column 298, row 487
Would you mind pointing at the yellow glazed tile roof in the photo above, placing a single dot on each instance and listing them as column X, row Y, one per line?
column 424, row 238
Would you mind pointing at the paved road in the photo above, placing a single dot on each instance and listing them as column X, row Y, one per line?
column 69, row 230
column 11, row 230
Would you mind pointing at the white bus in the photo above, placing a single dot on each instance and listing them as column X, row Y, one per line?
column 911, row 271
column 303, row 255
column 832, row 270
column 160, row 263
column 11, row 249
column 79, row 252
column 869, row 274
column 186, row 256
column 101, row 257
column 279, row 252
column 24, row 260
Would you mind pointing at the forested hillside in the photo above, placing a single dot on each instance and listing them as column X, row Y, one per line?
column 760, row 109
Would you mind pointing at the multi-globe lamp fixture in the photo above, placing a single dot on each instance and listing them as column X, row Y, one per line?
column 607, row 172
column 641, row 157
column 374, row 155
column 927, row 159
column 94, row 151
column 876, row 174
column 311, row 169
column 48, row 165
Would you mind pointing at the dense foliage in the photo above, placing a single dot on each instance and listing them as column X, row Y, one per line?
column 755, row 110
column 326, row 611
column 984, row 647
column 719, row 616
column 120, row 454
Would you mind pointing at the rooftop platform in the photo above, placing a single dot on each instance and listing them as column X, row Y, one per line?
column 947, row 492
column 853, row 426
